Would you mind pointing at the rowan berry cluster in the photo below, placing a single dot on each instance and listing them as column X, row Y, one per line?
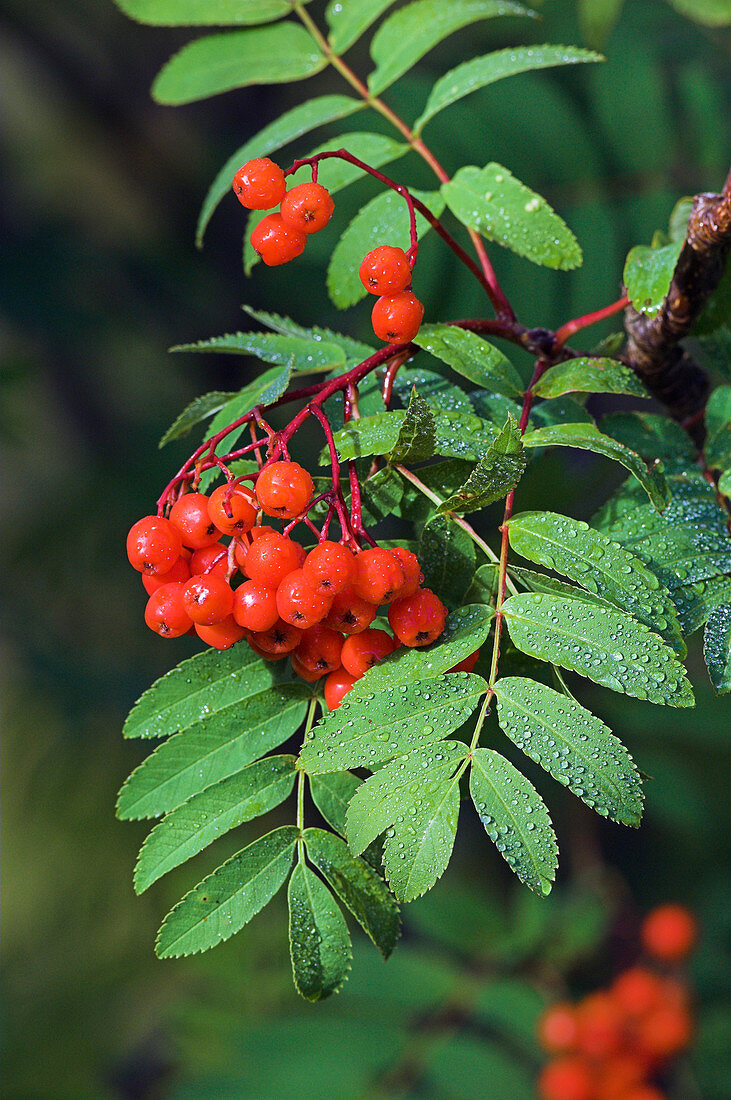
column 307, row 208
column 316, row 606
column 615, row 1044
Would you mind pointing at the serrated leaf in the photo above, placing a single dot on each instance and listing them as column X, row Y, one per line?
column 573, row 745
column 447, row 556
column 288, row 127
column 599, row 642
column 383, row 220
column 599, row 564
column 652, row 436
column 369, row 729
column 515, row 818
column 493, row 202
column 717, row 648
column 221, row 13
column 559, row 410
column 199, row 409
column 696, row 602
column 300, row 354
column 457, row 435
column 348, row 19
column 355, row 350
column 331, row 793
column 478, row 72
column 484, row 584
column 383, row 492
column 319, row 940
column 718, row 427
column 588, row 438
column 466, row 630
column 589, row 376
column 724, row 483
column 648, row 273
column 234, row 735
column 417, row 437
column 227, row 899
column 220, row 62
column 471, row 356
column 358, row 886
column 494, row 475
column 206, row 816
column 438, row 393
column 410, row 33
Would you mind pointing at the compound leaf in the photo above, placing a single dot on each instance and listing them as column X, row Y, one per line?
column 515, row 818
column 718, row 424
column 494, row 475
column 717, row 648
column 319, row 940
column 348, row 19
column 227, row 899
column 355, row 350
column 447, row 556
column 199, row 409
column 417, row 437
column 648, row 273
column 178, row 13
column 573, row 745
column 301, row 354
column 331, row 793
column 589, row 376
column 471, row 356
column 458, row 435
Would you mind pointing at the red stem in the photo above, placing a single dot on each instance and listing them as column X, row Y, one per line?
column 567, row 330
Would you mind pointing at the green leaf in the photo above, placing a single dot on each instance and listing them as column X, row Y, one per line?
column 411, row 32
column 515, row 818
column 213, row 747
column 221, row 13
column 303, row 355
column 471, row 356
column 417, row 435
column 724, row 483
column 494, row 475
column 227, row 899
column 648, row 273
column 711, row 13
column 447, row 556
column 220, row 62
column 358, row 886
column 717, row 648
column 484, row 584
column 331, row 793
column 369, row 729
column 597, row 18
column 652, row 436
column 206, row 816
column 348, row 19
column 438, row 393
column 718, row 426
column 288, row 127
column 696, row 602
column 588, row 438
column 599, row 642
column 199, row 409
column 318, row 936
column 481, row 71
column 458, row 435
column 599, row 564
column 573, row 745
column 355, row 351
column 383, row 220
column 493, row 202
column 589, row 376
column 383, row 492
column 466, row 630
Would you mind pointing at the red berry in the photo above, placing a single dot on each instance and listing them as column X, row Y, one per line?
column 271, row 558
column 208, row 599
column 621, row 1076
column 397, row 320
column 320, row 649
column 260, row 184
column 276, row 242
column 417, row 620
column 385, row 270
column 153, row 545
column 221, row 635
column 664, row 1032
column 165, row 612
column 468, row 664
column 669, row 933
column 277, row 641
column 331, row 567
column 557, row 1029
column 643, row 1092
column 304, row 673
column 380, row 575
column 637, row 991
column 255, row 606
column 600, row 1026
column 284, row 489
column 191, row 517
column 412, row 571
column 566, row 1079
column 209, row 559
column 362, row 651
column 233, row 511
column 179, row 572
column 307, row 207
column 349, row 613
column 337, row 685
column 299, row 602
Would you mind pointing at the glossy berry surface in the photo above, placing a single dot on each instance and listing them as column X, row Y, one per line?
column 669, row 933
column 278, row 640
column 179, row 572
column 153, row 545
column 208, row 599
column 307, row 207
column 210, row 558
column 412, row 570
column 298, row 601
column 396, row 320
column 276, row 242
column 337, row 686
column 165, row 612
column 331, row 567
column 221, row 635
column 255, row 606
column 362, row 651
column 191, row 517
column 380, row 575
column 419, row 619
column 284, row 489
column 259, row 184
column 320, row 649
column 349, row 613
column 232, row 511
column 309, row 675
column 385, row 271
column 271, row 558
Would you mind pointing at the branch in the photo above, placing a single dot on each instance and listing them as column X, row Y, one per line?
column 653, row 350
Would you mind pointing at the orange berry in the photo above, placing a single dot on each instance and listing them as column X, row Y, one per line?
column 669, row 933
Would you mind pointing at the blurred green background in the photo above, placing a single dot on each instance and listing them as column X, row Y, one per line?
column 101, row 277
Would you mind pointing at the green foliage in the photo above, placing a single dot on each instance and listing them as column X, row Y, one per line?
column 417, row 437
column 647, row 275
column 717, row 648
column 471, row 356
column 589, row 376
column 318, row 936
column 447, row 557
column 495, row 474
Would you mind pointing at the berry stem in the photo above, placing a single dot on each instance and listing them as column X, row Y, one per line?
column 309, row 723
column 567, row 330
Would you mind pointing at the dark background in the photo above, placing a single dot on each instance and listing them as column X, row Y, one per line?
column 100, row 277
